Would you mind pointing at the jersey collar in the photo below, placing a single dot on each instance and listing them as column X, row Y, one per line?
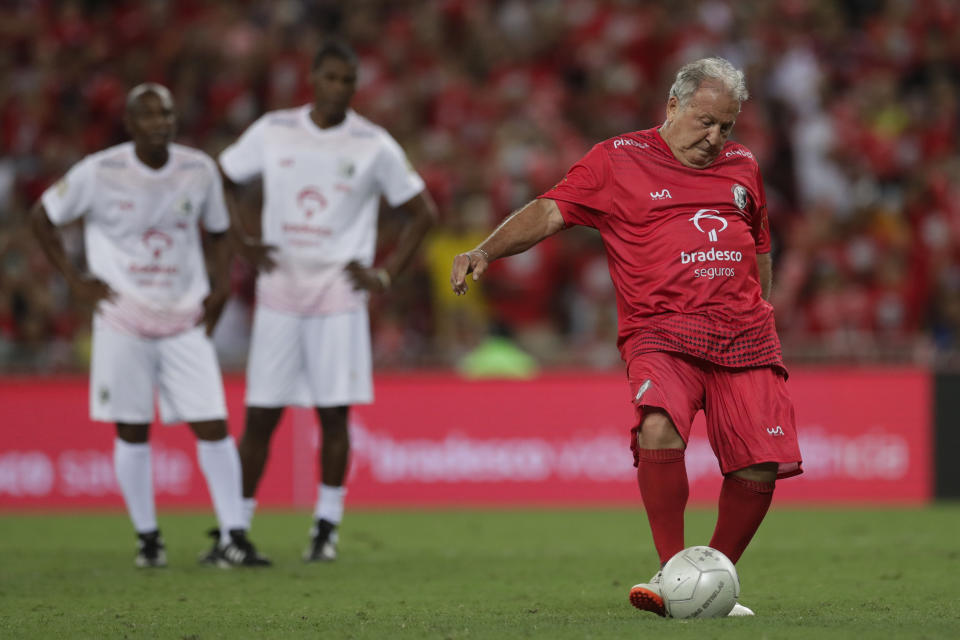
column 314, row 129
column 150, row 171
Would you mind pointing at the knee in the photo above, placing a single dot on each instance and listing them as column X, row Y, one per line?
column 211, row 430
column 657, row 431
column 333, row 423
column 261, row 423
column 133, row 433
column 762, row 472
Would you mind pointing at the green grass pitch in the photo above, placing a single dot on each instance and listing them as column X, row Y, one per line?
column 830, row 573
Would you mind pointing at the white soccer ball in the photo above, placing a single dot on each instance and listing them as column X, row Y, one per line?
column 699, row 582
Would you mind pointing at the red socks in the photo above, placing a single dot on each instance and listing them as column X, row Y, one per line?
column 743, row 504
column 662, row 477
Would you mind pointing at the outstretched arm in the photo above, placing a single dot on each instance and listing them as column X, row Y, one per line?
column 423, row 215
column 84, row 288
column 765, row 271
column 521, row 230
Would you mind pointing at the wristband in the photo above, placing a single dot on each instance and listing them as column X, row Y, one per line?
column 384, row 277
column 486, row 256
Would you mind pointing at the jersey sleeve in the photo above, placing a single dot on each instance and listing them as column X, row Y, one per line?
column 760, row 224
column 582, row 195
column 243, row 160
column 216, row 218
column 396, row 177
column 71, row 196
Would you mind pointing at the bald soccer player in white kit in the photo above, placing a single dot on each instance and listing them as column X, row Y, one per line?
column 323, row 169
column 143, row 203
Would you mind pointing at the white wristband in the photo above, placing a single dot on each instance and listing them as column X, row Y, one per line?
column 384, row 277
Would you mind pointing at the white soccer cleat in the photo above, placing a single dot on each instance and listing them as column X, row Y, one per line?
column 740, row 610
column 646, row 596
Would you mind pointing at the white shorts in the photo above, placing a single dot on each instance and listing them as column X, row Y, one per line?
column 309, row 361
column 128, row 372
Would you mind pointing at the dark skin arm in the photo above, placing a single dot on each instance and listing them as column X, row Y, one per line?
column 423, row 215
column 250, row 248
column 219, row 254
column 524, row 228
column 86, row 289
column 765, row 271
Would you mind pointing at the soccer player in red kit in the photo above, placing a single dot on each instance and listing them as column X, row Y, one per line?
column 682, row 214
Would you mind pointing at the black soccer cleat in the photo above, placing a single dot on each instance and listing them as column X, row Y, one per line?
column 323, row 542
column 239, row 552
column 150, row 551
column 212, row 557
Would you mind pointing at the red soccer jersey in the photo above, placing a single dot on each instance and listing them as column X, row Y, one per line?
column 681, row 247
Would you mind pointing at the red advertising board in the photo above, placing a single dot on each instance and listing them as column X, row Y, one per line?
column 436, row 440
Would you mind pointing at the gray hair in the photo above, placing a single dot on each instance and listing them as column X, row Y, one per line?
column 149, row 87
column 691, row 76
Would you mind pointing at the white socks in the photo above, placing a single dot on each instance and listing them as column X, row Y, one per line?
column 131, row 463
column 249, row 506
column 329, row 503
column 220, row 464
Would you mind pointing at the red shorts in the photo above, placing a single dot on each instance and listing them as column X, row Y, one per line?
column 749, row 413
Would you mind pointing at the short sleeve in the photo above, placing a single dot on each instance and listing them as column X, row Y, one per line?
column 582, row 194
column 397, row 178
column 216, row 218
column 761, row 225
column 242, row 161
column 72, row 196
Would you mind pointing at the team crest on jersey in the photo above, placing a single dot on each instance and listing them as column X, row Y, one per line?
column 185, row 207
column 740, row 196
column 346, row 168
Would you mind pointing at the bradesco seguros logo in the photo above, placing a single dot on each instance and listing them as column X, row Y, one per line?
column 710, row 222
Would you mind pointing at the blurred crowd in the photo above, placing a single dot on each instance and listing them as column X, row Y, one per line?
column 853, row 116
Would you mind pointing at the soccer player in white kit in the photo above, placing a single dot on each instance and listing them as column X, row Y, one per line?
column 142, row 203
column 323, row 169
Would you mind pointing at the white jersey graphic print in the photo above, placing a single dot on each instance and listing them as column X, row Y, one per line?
column 321, row 195
column 142, row 234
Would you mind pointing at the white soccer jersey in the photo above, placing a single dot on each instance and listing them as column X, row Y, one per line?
column 142, row 235
column 321, row 194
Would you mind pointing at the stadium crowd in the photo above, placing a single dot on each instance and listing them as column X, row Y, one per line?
column 854, row 117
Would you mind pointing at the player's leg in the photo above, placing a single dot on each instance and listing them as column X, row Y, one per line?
column 339, row 366
column 751, row 425
column 745, row 497
column 668, row 392
column 220, row 463
column 333, row 458
column 191, row 390
column 134, row 470
column 275, row 379
column 121, row 392
column 260, row 422
column 662, row 478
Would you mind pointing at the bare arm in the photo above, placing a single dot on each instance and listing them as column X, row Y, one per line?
column 521, row 230
column 248, row 245
column 85, row 288
column 219, row 254
column 765, row 271
column 423, row 215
